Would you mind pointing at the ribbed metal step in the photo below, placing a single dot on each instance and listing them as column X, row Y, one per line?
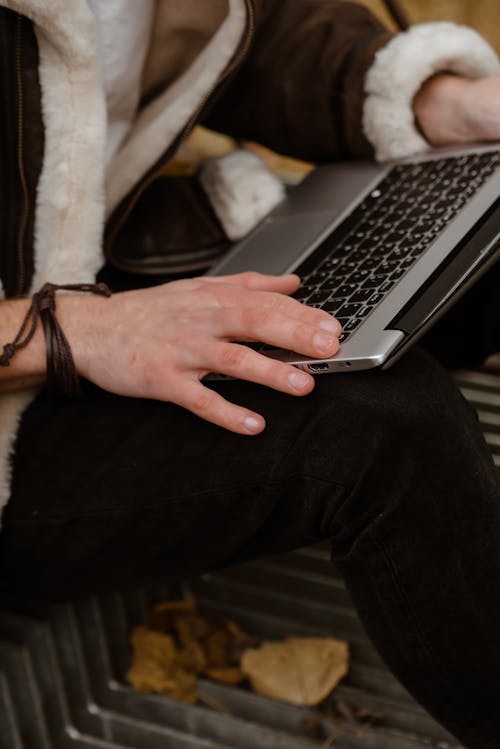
column 62, row 680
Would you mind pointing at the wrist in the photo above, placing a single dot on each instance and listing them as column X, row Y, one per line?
column 443, row 110
column 27, row 367
column 80, row 317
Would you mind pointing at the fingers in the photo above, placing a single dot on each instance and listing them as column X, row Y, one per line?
column 259, row 281
column 243, row 363
column 212, row 407
column 307, row 333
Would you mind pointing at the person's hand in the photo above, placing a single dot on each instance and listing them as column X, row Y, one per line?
column 160, row 342
column 450, row 109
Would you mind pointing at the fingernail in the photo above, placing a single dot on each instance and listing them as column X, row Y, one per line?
column 298, row 380
column 331, row 325
column 323, row 342
column 252, row 424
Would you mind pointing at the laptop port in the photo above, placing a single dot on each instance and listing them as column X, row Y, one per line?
column 319, row 367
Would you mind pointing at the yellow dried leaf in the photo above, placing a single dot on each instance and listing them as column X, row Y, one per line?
column 300, row 670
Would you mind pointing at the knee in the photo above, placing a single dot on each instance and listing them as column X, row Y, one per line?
column 414, row 445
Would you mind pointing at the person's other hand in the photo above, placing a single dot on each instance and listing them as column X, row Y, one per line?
column 160, row 342
column 450, row 109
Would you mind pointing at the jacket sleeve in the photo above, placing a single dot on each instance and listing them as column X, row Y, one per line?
column 301, row 88
column 326, row 80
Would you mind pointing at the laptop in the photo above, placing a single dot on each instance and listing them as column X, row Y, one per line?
column 386, row 249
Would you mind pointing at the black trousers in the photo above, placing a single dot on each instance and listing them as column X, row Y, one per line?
column 389, row 466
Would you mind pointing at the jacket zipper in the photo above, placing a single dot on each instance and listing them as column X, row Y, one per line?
column 13, row 184
column 154, row 172
column 21, row 265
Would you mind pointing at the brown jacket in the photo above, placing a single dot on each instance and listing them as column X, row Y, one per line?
column 294, row 83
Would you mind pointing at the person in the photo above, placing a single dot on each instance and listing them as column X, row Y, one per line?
column 150, row 472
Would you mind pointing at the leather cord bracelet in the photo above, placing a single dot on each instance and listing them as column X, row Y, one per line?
column 62, row 377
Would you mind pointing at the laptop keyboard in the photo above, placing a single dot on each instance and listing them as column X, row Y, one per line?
column 363, row 258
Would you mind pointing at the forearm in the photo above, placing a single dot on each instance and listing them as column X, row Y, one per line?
column 451, row 109
column 27, row 367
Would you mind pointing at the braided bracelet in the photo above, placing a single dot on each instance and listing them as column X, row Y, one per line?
column 62, row 377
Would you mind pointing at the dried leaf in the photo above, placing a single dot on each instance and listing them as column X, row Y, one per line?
column 162, row 616
column 155, row 667
column 218, row 648
column 302, row 671
column 192, row 657
column 190, row 627
column 231, row 676
column 183, row 606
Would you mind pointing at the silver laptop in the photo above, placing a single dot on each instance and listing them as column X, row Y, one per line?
column 385, row 249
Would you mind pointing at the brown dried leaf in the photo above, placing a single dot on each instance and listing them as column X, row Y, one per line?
column 302, row 671
column 183, row 606
column 218, row 648
column 231, row 676
column 155, row 667
column 162, row 615
column 192, row 657
column 189, row 628
column 180, row 644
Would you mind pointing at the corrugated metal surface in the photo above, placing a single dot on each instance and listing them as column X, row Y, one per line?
column 62, row 676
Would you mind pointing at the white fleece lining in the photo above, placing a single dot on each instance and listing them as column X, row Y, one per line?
column 161, row 121
column 70, row 199
column 399, row 70
column 241, row 189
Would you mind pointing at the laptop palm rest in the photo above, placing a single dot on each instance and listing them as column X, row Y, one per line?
column 277, row 245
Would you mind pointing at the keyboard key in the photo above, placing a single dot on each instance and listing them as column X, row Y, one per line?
column 397, row 274
column 386, row 286
column 330, row 264
column 369, row 264
column 358, row 255
column 392, row 239
column 361, row 295
column 352, row 325
column 318, row 297
column 332, row 306
column 349, row 310
column 346, row 291
column 398, row 254
column 358, row 276
column 376, row 299
column 368, row 244
column 373, row 282
column 303, row 292
column 316, row 278
column 386, row 268
column 364, row 311
column 418, row 249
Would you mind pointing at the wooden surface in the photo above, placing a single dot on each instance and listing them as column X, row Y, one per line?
column 484, row 15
